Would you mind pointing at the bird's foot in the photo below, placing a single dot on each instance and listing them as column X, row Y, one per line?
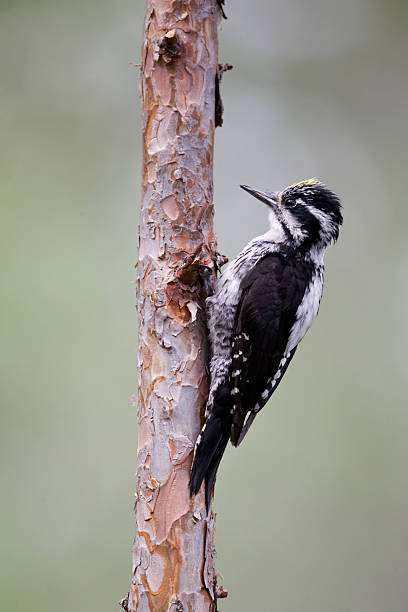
column 206, row 273
column 219, row 261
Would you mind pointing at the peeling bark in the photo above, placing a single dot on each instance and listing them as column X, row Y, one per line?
column 219, row 106
column 173, row 553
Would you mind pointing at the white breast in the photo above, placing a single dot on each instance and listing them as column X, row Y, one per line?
column 307, row 311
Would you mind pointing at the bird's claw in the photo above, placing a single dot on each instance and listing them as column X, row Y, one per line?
column 219, row 261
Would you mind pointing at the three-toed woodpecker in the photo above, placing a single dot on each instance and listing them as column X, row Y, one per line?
column 263, row 304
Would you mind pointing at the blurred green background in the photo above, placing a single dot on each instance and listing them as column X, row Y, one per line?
column 313, row 508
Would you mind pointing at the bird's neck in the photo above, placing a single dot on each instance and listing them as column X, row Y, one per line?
column 316, row 255
column 277, row 239
column 275, row 234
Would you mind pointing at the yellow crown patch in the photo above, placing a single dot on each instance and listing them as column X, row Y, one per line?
column 311, row 181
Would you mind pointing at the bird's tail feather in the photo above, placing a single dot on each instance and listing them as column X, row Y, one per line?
column 212, row 470
column 208, row 454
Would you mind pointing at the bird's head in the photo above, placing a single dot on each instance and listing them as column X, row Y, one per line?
column 307, row 213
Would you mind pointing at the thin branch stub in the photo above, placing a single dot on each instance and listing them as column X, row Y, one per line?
column 220, row 4
column 221, row 592
column 124, row 603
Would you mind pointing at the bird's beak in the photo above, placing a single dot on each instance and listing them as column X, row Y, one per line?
column 270, row 199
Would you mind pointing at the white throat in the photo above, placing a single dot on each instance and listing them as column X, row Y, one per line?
column 275, row 232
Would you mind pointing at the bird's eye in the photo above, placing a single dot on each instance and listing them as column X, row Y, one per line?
column 294, row 202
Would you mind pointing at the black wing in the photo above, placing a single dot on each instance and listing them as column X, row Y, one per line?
column 270, row 296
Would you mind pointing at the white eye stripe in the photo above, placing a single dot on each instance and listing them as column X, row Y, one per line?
column 324, row 218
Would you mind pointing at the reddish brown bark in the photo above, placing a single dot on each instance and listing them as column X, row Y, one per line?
column 173, row 565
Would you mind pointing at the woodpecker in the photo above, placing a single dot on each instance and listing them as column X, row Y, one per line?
column 263, row 304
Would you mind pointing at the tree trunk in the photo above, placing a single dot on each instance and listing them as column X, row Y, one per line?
column 173, row 552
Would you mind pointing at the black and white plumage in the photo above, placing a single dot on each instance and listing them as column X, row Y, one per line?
column 264, row 303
